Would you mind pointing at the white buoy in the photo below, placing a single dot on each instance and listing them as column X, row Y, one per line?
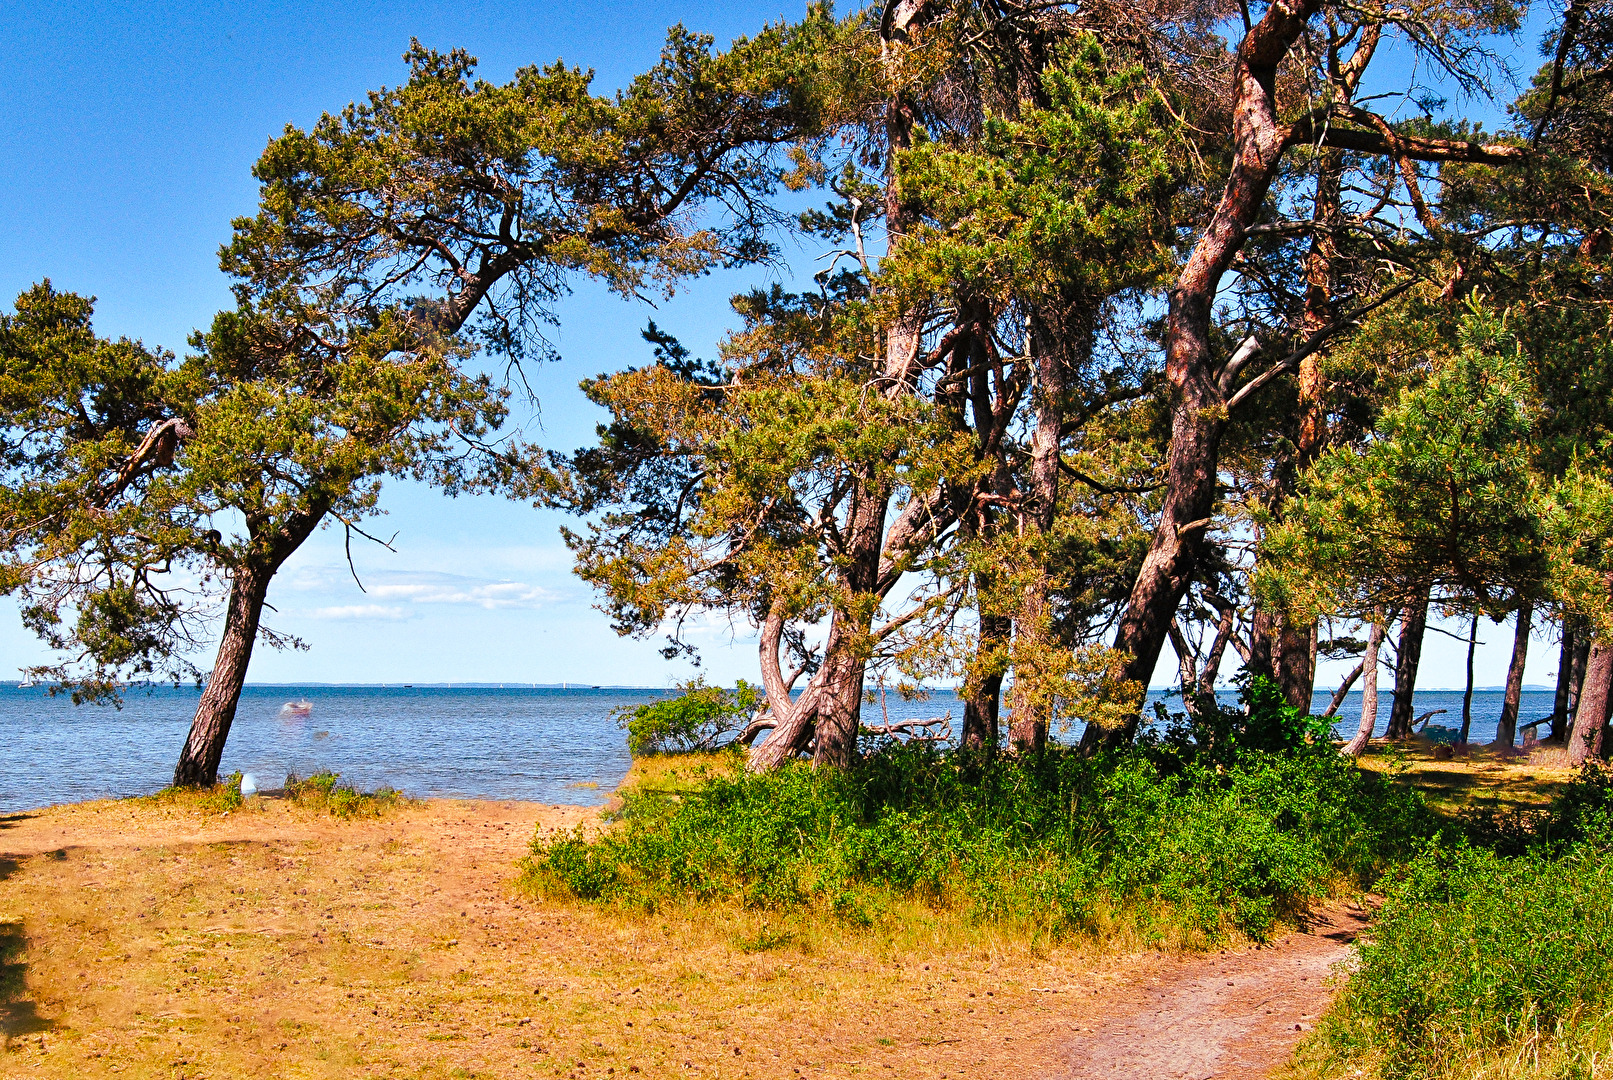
column 249, row 785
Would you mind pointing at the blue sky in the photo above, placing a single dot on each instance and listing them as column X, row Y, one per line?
column 130, row 132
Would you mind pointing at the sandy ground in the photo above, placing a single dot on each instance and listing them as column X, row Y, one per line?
column 1236, row 1015
column 142, row 942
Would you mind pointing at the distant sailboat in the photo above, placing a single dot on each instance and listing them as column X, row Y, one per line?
column 297, row 710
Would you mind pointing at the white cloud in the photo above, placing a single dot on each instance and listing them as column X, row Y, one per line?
column 396, row 591
column 360, row 611
column 452, row 589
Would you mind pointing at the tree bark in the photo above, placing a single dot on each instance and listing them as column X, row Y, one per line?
column 1296, row 670
column 1576, row 680
column 1343, row 691
column 269, row 545
column 1409, row 655
column 1506, row 728
column 793, row 720
column 210, row 728
column 1467, row 694
column 1263, row 631
column 1197, row 403
column 982, row 696
column 1369, row 690
column 1590, row 719
column 1565, row 677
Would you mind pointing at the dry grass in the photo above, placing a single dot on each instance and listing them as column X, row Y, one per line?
column 153, row 939
column 1536, row 1055
column 1481, row 779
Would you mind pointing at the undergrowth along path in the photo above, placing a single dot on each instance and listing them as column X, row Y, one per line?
column 1236, row 1015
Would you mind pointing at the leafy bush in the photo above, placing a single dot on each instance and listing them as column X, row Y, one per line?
column 1052, row 844
column 1480, row 956
column 700, row 718
column 322, row 792
column 221, row 798
column 1212, row 733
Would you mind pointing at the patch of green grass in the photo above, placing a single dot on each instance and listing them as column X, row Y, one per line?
column 1493, row 954
column 221, row 798
column 322, row 792
column 1051, row 846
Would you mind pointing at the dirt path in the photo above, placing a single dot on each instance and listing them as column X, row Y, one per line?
column 1235, row 1016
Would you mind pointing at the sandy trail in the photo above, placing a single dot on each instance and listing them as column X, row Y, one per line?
column 1234, row 1016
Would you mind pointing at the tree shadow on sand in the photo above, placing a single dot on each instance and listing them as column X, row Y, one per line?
column 18, row 1014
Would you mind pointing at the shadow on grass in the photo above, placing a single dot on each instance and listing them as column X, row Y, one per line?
column 1474, row 781
column 18, row 1014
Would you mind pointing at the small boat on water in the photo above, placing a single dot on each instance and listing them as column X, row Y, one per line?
column 297, row 710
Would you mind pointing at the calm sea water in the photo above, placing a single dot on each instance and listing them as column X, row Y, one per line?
column 545, row 745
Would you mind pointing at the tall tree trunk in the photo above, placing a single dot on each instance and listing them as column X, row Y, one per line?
column 983, row 692
column 1590, row 719
column 1197, row 401
column 1576, row 679
column 1565, row 677
column 270, row 543
column 1506, row 728
column 839, row 682
column 1409, row 655
column 1467, row 694
column 1369, row 690
column 1595, row 696
column 1295, row 655
column 845, row 654
column 204, row 746
column 836, row 689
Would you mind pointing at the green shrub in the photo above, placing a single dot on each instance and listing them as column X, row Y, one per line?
column 322, row 792
column 1212, row 733
column 700, row 718
column 221, row 798
column 1041, row 843
column 1480, row 954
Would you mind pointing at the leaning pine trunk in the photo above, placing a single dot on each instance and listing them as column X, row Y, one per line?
column 1467, row 693
column 1506, row 728
column 1591, row 717
column 1410, row 655
column 792, row 728
column 1576, row 678
column 1369, row 690
column 983, row 693
column 1197, row 401
column 198, row 762
column 1565, row 677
